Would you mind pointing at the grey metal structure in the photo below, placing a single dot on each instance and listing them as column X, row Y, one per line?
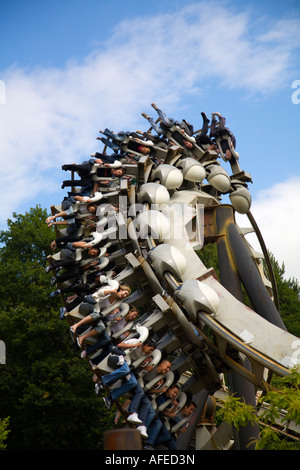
column 170, row 207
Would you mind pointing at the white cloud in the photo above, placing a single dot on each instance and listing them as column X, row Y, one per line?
column 277, row 213
column 52, row 116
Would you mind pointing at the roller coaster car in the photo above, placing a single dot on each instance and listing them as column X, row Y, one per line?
column 167, row 380
column 192, row 169
column 218, row 177
column 152, row 223
column 180, row 296
column 181, row 399
column 141, row 333
column 131, row 145
column 167, row 175
column 153, row 194
column 175, row 134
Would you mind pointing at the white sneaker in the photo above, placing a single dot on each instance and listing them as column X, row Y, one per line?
column 133, row 418
column 143, row 431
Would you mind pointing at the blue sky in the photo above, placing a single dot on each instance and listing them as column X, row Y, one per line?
column 69, row 68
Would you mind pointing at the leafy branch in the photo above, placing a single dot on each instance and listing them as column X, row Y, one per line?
column 280, row 407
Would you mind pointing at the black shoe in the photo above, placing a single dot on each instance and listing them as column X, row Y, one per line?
column 148, row 447
column 204, row 117
column 48, row 268
column 77, row 284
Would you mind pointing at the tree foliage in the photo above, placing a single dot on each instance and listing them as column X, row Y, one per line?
column 4, row 431
column 25, row 246
column 289, row 298
column 279, row 407
column 45, row 388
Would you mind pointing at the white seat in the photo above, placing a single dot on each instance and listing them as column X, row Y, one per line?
column 181, row 399
column 155, row 358
column 169, row 377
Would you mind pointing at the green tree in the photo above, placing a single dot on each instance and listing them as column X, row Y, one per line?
column 25, row 246
column 45, row 388
column 289, row 298
column 285, row 397
column 3, row 432
column 209, row 256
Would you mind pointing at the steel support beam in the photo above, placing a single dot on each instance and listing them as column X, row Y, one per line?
column 184, row 439
column 230, row 279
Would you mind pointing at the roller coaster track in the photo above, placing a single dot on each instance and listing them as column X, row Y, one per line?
column 169, row 209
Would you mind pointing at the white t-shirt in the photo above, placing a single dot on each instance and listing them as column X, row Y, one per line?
column 102, row 292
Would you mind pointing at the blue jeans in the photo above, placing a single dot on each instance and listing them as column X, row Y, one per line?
column 102, row 341
column 168, row 122
column 153, row 431
column 150, row 416
column 166, row 439
column 155, row 126
column 126, row 387
column 113, row 145
column 140, row 404
column 117, row 374
column 116, row 137
column 104, row 352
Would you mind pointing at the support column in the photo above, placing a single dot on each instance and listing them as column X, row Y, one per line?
column 184, row 439
column 230, row 279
